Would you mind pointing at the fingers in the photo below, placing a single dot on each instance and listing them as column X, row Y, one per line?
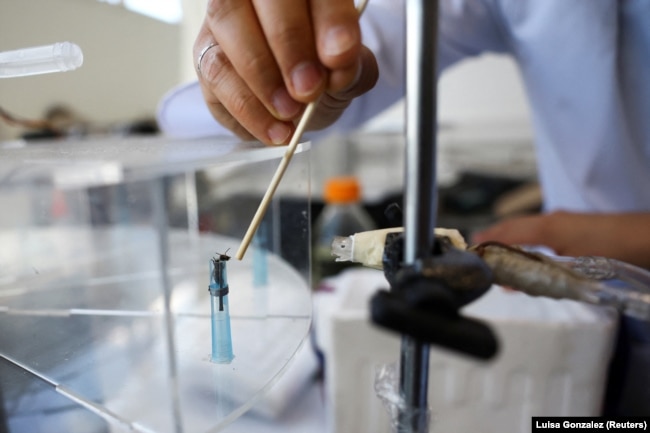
column 332, row 104
column 338, row 40
column 308, row 41
column 235, row 27
column 338, row 37
column 365, row 73
column 521, row 230
column 287, row 27
column 273, row 56
column 232, row 102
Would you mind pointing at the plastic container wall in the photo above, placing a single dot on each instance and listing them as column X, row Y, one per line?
column 104, row 276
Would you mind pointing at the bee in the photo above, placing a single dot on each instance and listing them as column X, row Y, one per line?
column 221, row 257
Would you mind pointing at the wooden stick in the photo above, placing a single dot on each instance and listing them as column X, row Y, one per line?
column 275, row 181
column 293, row 144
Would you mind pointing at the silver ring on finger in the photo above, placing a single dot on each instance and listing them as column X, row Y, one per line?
column 203, row 51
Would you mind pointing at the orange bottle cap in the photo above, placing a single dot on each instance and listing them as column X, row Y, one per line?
column 345, row 189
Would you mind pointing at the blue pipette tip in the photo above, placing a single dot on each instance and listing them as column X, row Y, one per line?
column 222, row 352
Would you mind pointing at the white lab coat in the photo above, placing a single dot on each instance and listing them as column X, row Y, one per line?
column 586, row 69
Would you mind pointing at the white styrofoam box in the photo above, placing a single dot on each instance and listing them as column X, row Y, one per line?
column 552, row 361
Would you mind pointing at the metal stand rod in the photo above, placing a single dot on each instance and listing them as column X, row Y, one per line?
column 421, row 195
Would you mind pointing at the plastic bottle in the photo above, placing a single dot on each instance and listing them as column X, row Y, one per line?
column 343, row 215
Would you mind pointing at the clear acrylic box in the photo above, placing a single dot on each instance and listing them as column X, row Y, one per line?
column 104, row 271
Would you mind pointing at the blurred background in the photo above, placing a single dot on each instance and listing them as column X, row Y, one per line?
column 135, row 51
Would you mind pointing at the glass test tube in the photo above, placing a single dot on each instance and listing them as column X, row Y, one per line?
column 221, row 337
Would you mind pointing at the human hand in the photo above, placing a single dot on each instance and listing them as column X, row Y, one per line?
column 622, row 236
column 268, row 58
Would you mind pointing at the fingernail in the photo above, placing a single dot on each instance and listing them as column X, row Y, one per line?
column 285, row 104
column 306, row 77
column 279, row 133
column 338, row 40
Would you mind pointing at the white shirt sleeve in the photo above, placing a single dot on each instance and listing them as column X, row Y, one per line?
column 183, row 113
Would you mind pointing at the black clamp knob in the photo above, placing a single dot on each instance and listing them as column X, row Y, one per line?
column 426, row 296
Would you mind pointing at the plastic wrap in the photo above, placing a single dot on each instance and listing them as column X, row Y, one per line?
column 387, row 389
